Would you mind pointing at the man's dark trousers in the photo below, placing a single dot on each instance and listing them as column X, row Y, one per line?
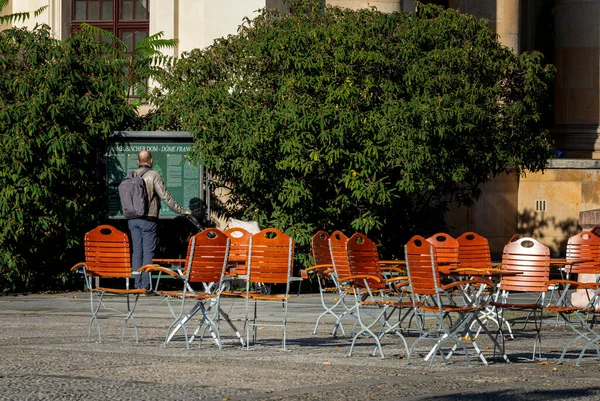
column 143, row 243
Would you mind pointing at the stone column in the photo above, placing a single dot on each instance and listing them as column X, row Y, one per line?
column 576, row 105
column 507, row 23
column 59, row 18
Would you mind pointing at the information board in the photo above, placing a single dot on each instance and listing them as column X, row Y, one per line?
column 182, row 176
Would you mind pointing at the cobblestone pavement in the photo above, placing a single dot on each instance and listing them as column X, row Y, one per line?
column 44, row 354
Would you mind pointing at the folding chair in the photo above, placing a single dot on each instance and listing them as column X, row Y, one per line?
column 531, row 260
column 432, row 299
column 341, row 268
column 370, row 288
column 474, row 253
column 107, row 256
column 325, row 276
column 202, row 281
column 583, row 257
column 270, row 261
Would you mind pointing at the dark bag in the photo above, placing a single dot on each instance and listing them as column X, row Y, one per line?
column 133, row 195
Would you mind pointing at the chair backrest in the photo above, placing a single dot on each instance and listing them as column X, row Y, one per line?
column 584, row 246
column 421, row 266
column 270, row 257
column 474, row 251
column 320, row 248
column 446, row 250
column 107, row 252
column 207, row 256
column 532, row 259
column 339, row 255
column 238, row 248
column 363, row 259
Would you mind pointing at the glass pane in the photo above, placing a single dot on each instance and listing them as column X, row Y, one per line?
column 80, row 10
column 139, row 36
column 127, row 38
column 93, row 10
column 106, row 39
column 107, row 9
column 127, row 10
column 140, row 9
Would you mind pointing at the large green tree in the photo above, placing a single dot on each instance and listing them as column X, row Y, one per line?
column 327, row 118
column 59, row 101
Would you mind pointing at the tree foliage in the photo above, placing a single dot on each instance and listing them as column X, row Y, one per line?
column 327, row 118
column 142, row 63
column 59, row 101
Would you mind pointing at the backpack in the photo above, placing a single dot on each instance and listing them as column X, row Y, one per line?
column 133, row 195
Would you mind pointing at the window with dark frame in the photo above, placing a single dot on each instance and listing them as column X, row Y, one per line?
column 126, row 19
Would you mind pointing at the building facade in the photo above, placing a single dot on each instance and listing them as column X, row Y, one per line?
column 546, row 205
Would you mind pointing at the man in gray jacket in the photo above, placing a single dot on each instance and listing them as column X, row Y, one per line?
column 143, row 230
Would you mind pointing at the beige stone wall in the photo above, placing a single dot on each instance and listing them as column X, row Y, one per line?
column 562, row 192
column 5, row 11
column 494, row 215
column 515, row 206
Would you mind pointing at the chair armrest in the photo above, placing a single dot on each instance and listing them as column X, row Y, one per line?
column 156, row 268
column 399, row 278
column 292, row 279
column 361, row 277
column 80, row 265
column 243, row 277
column 318, row 267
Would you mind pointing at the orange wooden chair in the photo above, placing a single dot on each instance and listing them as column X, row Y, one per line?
column 270, row 261
column 583, row 257
column 238, row 250
column 369, row 286
column 107, row 256
column 202, row 281
column 446, row 250
column 583, row 254
column 325, row 276
column 474, row 253
column 431, row 298
column 529, row 260
column 341, row 267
